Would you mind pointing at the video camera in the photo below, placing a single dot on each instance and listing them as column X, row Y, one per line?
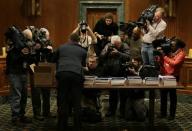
column 165, row 45
column 110, row 48
column 127, row 28
column 83, row 26
column 147, row 14
column 39, row 36
column 16, row 39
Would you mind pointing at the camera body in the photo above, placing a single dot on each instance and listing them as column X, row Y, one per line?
column 147, row 14
column 83, row 26
column 40, row 37
column 127, row 28
column 164, row 44
column 16, row 39
column 110, row 48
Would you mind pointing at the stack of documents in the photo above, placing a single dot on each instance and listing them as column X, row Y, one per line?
column 168, row 80
column 151, row 81
column 118, row 81
column 89, row 80
column 102, row 81
column 134, row 80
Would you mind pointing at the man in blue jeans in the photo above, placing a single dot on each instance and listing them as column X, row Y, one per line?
column 154, row 31
column 16, row 68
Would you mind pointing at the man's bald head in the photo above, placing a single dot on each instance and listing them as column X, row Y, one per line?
column 28, row 34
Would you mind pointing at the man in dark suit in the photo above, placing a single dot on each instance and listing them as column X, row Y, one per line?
column 70, row 59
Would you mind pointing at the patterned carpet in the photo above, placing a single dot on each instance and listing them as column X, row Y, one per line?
column 183, row 121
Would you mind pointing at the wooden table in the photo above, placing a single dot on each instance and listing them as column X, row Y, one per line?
column 151, row 89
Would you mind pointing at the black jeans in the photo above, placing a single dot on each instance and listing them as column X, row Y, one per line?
column 36, row 94
column 173, row 101
column 69, row 93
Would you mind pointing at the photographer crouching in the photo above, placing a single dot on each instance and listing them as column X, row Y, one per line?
column 17, row 61
column 114, row 55
column 171, row 62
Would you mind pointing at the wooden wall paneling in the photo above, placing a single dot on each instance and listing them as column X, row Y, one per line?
column 59, row 16
column 4, row 88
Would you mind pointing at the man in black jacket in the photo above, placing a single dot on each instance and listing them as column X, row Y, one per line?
column 17, row 62
column 114, row 55
column 104, row 29
column 70, row 59
column 41, row 105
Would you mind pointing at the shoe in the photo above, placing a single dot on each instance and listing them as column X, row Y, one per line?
column 25, row 120
column 109, row 114
column 39, row 118
column 121, row 116
column 49, row 115
column 16, row 122
column 161, row 116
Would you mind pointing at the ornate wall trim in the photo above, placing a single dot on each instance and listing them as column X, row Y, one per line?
column 118, row 5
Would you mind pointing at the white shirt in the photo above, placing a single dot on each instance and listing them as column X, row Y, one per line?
column 156, row 31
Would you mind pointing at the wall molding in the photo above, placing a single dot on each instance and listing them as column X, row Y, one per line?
column 118, row 5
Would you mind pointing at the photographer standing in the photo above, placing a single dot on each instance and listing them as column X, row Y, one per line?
column 36, row 92
column 114, row 55
column 171, row 66
column 154, row 31
column 17, row 62
column 104, row 29
column 87, row 37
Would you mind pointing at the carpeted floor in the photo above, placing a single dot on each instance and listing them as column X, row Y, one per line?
column 183, row 121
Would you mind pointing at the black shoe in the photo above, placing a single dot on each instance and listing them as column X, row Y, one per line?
column 25, row 120
column 161, row 116
column 171, row 118
column 39, row 118
column 49, row 115
column 16, row 122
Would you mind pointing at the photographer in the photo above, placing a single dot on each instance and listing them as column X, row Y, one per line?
column 37, row 103
column 17, row 62
column 87, row 37
column 134, row 107
column 152, row 32
column 104, row 29
column 172, row 63
column 114, row 55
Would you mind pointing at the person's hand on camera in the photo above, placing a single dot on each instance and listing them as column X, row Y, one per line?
column 98, row 35
column 88, row 28
column 78, row 25
column 132, row 70
column 37, row 46
column 148, row 23
column 50, row 48
column 114, row 51
column 25, row 51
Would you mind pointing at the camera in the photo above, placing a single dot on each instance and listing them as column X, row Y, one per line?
column 165, row 45
column 127, row 28
column 147, row 14
column 83, row 26
column 110, row 48
column 39, row 36
column 16, row 39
